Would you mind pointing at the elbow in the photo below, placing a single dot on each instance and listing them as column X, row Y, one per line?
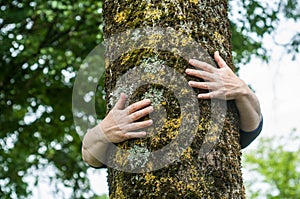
column 89, row 159
column 84, row 155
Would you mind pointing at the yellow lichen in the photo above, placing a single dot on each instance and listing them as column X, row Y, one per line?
column 187, row 153
column 155, row 38
column 191, row 187
column 214, row 20
column 157, row 184
column 119, row 192
column 149, row 178
column 153, row 14
column 186, row 41
column 163, row 180
column 148, row 76
column 149, row 165
column 126, row 58
column 172, row 126
column 120, row 158
column 121, row 16
column 181, row 17
column 194, row 1
column 179, row 185
column 200, row 127
column 220, row 38
column 107, row 62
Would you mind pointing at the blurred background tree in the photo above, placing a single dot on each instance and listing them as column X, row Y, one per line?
column 275, row 168
column 42, row 45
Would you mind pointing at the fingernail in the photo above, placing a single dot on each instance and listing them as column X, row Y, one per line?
column 191, row 61
column 188, row 70
column 151, row 109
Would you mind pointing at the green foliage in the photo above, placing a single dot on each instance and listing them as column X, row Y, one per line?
column 42, row 45
column 104, row 196
column 276, row 162
column 253, row 19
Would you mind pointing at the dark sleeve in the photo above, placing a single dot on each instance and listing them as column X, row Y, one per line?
column 101, row 167
column 247, row 137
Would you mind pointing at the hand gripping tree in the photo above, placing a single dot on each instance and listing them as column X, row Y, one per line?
column 192, row 150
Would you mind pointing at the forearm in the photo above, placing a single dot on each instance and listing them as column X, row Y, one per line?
column 94, row 147
column 249, row 109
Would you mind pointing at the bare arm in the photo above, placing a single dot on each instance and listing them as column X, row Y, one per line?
column 94, row 147
column 249, row 109
column 119, row 125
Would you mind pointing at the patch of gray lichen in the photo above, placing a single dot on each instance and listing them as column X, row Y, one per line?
column 138, row 156
column 156, row 96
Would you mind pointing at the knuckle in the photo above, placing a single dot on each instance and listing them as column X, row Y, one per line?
column 206, row 86
column 127, row 128
column 132, row 108
column 124, row 136
column 123, row 128
column 134, row 116
column 133, row 126
column 199, row 73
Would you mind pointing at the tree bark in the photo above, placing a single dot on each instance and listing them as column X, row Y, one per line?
column 217, row 173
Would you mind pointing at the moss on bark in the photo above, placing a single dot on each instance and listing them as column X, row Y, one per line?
column 218, row 173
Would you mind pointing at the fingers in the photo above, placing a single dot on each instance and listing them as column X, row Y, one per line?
column 207, row 71
column 201, row 74
column 141, row 113
column 204, row 96
column 132, row 135
column 121, row 102
column 213, row 78
column 221, row 63
column 211, row 95
column 207, row 67
column 204, row 85
column 129, row 131
column 122, row 125
column 137, row 125
column 202, row 65
column 138, row 105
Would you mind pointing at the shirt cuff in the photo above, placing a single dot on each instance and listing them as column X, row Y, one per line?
column 247, row 137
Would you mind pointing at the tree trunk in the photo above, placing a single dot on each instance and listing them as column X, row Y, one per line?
column 148, row 47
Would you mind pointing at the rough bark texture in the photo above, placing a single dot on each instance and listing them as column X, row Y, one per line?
column 218, row 173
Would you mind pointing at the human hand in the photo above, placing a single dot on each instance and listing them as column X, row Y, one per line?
column 221, row 82
column 120, row 123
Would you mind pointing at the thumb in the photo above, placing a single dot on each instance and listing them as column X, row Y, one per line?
column 121, row 102
column 221, row 63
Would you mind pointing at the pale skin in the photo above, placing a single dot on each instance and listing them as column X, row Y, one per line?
column 120, row 123
column 223, row 83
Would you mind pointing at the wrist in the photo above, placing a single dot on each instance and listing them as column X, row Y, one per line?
column 94, row 136
column 101, row 133
column 243, row 93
